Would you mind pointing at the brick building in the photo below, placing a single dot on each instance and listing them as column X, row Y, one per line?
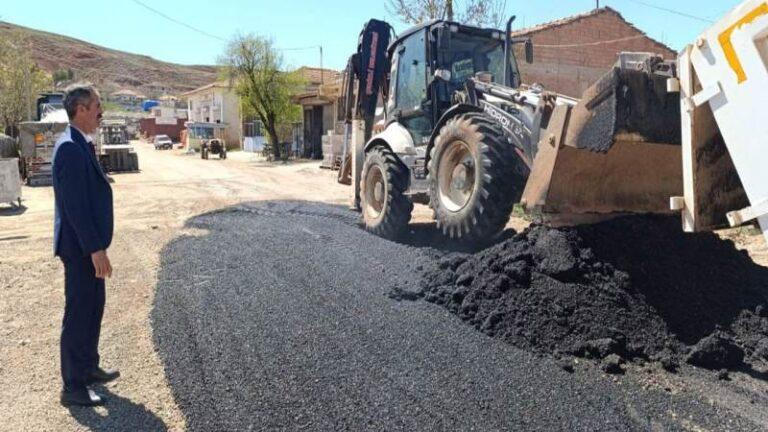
column 572, row 53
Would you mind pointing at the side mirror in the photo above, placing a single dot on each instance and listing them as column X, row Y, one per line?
column 529, row 51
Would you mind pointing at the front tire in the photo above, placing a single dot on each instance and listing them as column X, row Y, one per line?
column 475, row 178
column 384, row 180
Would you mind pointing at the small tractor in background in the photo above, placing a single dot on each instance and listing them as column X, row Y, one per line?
column 215, row 146
column 207, row 138
column 461, row 133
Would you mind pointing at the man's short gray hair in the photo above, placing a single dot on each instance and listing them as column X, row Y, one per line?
column 79, row 94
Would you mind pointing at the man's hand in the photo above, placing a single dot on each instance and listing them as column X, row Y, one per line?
column 101, row 264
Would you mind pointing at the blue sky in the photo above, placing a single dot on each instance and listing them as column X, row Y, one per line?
column 334, row 24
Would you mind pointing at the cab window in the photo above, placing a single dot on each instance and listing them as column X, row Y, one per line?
column 411, row 73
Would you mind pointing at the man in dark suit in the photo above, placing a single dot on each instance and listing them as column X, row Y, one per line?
column 82, row 234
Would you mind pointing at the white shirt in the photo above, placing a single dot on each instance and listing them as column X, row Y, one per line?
column 87, row 137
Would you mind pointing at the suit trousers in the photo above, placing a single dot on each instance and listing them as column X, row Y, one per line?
column 84, row 307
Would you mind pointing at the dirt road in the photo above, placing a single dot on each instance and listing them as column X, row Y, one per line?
column 151, row 210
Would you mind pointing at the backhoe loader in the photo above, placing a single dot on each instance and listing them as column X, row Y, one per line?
column 461, row 132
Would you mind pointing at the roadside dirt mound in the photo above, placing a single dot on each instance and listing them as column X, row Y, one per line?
column 631, row 288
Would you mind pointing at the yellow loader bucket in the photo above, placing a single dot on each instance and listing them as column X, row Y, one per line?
column 617, row 151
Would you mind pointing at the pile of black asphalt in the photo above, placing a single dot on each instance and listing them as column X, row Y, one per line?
column 279, row 316
column 630, row 289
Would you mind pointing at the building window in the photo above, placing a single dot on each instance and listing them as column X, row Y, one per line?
column 253, row 129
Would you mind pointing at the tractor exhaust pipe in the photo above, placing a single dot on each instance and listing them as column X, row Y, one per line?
column 507, row 51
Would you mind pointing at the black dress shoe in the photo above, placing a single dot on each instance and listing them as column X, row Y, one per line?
column 102, row 376
column 83, row 397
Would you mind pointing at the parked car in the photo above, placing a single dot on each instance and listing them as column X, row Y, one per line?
column 163, row 142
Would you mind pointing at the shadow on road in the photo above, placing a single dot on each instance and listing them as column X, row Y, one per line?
column 121, row 415
column 12, row 210
column 419, row 235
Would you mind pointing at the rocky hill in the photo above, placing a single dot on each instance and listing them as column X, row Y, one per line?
column 109, row 69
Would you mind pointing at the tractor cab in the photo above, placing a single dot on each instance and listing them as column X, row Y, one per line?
column 431, row 64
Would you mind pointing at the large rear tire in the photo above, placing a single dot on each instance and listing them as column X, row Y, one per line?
column 475, row 178
column 384, row 180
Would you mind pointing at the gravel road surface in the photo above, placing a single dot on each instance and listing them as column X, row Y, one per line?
column 275, row 316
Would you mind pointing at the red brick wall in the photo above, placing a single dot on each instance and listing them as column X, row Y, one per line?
column 148, row 128
column 566, row 58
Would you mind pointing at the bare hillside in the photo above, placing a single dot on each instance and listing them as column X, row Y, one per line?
column 107, row 68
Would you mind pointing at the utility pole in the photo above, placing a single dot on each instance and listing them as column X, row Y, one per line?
column 28, row 91
column 597, row 4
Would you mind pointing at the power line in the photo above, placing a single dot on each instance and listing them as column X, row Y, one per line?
column 203, row 32
column 169, row 18
column 672, row 11
column 299, row 48
column 303, row 48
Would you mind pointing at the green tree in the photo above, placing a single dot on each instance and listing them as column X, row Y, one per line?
column 62, row 75
column 483, row 13
column 20, row 82
column 256, row 70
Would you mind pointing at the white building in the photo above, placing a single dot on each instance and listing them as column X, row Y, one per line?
column 217, row 103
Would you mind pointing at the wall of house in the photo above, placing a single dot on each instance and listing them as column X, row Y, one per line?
column 234, row 131
column 571, row 57
column 206, row 106
column 329, row 118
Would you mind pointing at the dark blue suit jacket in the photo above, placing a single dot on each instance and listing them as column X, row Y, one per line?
column 84, row 215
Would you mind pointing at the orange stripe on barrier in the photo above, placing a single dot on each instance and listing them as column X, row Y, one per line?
column 725, row 40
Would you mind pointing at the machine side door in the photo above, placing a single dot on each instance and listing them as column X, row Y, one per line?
column 410, row 85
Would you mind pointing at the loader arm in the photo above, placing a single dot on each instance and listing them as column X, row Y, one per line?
column 368, row 68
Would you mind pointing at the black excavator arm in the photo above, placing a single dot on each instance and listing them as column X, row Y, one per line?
column 369, row 68
column 366, row 76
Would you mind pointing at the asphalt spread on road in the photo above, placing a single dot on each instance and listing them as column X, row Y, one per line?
column 280, row 316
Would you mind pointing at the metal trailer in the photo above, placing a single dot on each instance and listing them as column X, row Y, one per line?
column 10, row 181
column 116, row 154
column 36, row 142
column 37, row 139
